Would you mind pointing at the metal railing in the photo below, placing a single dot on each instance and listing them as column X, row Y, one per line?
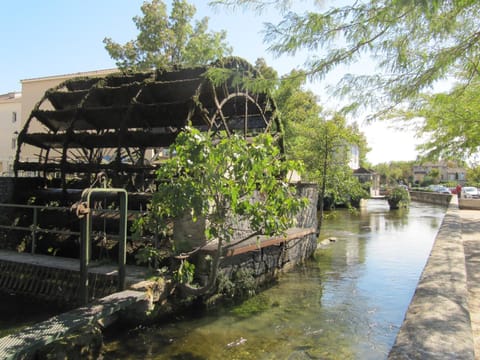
column 85, row 230
column 34, row 228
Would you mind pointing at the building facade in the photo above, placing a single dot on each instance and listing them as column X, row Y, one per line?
column 446, row 172
column 33, row 91
column 10, row 126
column 371, row 177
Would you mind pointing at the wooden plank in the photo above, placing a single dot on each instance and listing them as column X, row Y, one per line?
column 255, row 243
column 32, row 338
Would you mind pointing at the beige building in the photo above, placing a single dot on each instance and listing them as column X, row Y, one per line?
column 15, row 109
column 10, row 126
column 446, row 172
column 34, row 89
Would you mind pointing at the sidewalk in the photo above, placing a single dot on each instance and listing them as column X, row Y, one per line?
column 470, row 220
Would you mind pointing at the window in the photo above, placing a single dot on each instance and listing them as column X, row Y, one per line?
column 14, row 143
column 14, row 116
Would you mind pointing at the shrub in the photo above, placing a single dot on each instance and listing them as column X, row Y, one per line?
column 398, row 197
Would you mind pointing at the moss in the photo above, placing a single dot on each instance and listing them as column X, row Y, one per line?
column 252, row 306
column 240, row 284
column 85, row 343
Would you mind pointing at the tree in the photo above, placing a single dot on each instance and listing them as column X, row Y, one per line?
column 473, row 176
column 448, row 121
column 168, row 40
column 395, row 172
column 414, row 43
column 322, row 145
column 226, row 183
column 435, row 175
column 398, row 197
column 295, row 105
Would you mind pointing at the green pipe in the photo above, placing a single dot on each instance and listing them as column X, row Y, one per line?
column 85, row 243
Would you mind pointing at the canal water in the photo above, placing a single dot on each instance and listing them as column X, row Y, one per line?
column 348, row 302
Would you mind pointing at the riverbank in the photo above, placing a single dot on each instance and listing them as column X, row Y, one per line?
column 443, row 318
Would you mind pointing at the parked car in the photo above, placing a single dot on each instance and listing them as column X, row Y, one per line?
column 470, row 192
column 439, row 188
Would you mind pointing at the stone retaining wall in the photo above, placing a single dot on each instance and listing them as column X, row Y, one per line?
column 16, row 190
column 469, row 204
column 437, row 324
column 6, row 189
column 431, row 197
column 258, row 267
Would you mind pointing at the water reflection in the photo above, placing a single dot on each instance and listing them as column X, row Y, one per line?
column 348, row 302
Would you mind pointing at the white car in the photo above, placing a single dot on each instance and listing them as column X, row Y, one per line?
column 439, row 188
column 470, row 192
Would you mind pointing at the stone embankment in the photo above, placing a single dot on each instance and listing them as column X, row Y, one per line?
column 443, row 319
column 255, row 261
column 431, row 197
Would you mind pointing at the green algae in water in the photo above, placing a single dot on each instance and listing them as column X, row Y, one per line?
column 253, row 305
column 346, row 303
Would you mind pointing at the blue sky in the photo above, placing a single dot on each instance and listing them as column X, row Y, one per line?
column 50, row 37
column 53, row 37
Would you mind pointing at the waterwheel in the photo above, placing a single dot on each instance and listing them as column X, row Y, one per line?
column 121, row 124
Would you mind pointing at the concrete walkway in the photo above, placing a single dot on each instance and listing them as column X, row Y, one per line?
column 23, row 344
column 443, row 319
column 471, row 242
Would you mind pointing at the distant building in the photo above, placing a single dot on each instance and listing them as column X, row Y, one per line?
column 10, row 126
column 365, row 175
column 354, row 162
column 446, row 172
column 33, row 91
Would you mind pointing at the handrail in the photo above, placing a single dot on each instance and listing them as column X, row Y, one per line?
column 85, row 232
column 86, row 229
column 34, row 228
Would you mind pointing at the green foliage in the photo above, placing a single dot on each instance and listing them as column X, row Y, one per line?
column 473, row 176
column 216, row 180
column 395, row 172
column 434, row 174
column 398, row 197
column 448, row 122
column 185, row 272
column 225, row 183
column 322, row 144
column 430, row 180
column 414, row 43
column 166, row 40
column 240, row 284
column 150, row 255
column 252, row 306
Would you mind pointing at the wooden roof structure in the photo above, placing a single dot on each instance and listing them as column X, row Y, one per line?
column 115, row 123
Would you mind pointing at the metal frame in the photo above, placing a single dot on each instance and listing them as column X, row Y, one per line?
column 85, row 240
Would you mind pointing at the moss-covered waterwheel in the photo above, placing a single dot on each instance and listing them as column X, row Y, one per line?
column 120, row 124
